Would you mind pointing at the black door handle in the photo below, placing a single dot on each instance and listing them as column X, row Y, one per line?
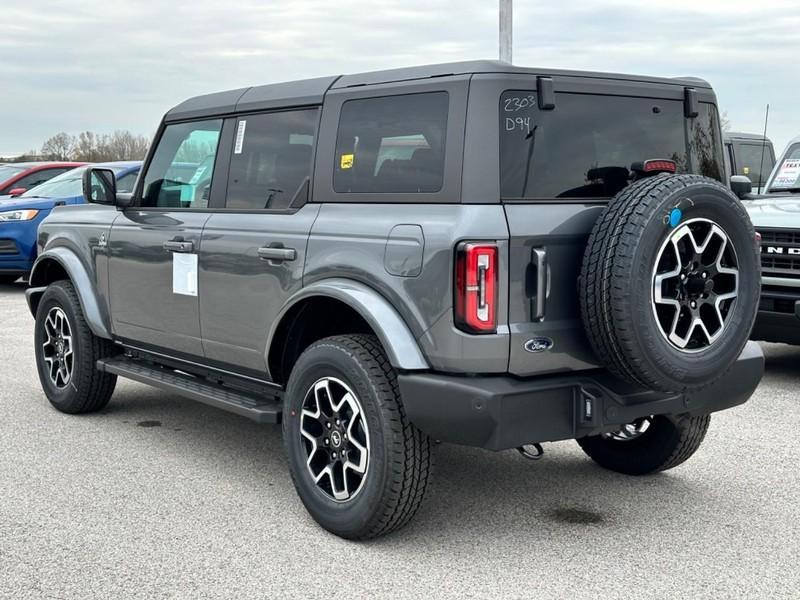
column 278, row 254
column 178, row 246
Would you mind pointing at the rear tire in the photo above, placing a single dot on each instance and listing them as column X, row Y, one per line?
column 389, row 459
column 666, row 443
column 67, row 353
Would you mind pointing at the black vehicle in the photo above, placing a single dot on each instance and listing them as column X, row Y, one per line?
column 749, row 155
column 474, row 253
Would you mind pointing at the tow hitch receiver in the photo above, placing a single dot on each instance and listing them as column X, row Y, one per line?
column 531, row 451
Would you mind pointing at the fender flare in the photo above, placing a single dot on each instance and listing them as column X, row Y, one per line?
column 401, row 347
column 84, row 286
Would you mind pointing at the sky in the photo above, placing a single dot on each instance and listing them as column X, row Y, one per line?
column 102, row 65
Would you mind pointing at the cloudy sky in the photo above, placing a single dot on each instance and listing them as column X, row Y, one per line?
column 73, row 65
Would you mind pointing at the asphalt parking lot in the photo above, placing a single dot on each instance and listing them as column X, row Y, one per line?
column 161, row 497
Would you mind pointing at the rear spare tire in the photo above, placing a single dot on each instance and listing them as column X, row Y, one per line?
column 670, row 282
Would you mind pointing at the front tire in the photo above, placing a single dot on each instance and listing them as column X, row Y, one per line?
column 359, row 466
column 67, row 353
column 648, row 445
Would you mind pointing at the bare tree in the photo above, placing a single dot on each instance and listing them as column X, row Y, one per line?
column 725, row 121
column 59, row 147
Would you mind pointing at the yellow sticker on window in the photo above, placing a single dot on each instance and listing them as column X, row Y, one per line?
column 347, row 161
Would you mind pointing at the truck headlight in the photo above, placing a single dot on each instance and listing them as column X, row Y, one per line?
column 18, row 215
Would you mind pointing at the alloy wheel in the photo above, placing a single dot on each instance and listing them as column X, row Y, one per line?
column 57, row 347
column 695, row 285
column 336, row 438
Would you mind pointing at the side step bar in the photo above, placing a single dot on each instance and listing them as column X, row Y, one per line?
column 260, row 409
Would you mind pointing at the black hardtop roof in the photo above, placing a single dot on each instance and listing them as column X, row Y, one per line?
column 308, row 92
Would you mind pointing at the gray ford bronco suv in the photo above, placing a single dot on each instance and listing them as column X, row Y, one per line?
column 473, row 253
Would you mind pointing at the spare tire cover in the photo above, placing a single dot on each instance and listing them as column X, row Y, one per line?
column 670, row 282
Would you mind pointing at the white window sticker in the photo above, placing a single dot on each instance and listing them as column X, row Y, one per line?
column 237, row 149
column 184, row 274
column 789, row 174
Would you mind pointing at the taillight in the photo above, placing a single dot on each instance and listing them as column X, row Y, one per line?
column 476, row 287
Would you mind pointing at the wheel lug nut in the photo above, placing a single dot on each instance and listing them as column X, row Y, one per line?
column 705, row 275
column 683, row 276
column 337, row 422
column 326, row 441
column 334, row 455
column 694, row 304
column 328, row 425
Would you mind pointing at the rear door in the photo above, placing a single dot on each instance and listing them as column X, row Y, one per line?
column 153, row 274
column 253, row 250
column 559, row 165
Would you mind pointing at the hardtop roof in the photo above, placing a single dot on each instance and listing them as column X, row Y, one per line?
column 309, row 92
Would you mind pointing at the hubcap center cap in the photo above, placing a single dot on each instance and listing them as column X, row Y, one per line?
column 336, row 439
column 695, row 285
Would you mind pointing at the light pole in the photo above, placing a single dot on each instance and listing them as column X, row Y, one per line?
column 506, row 22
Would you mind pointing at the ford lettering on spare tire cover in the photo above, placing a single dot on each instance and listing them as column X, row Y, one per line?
column 662, row 299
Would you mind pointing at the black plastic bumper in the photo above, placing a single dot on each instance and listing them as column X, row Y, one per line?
column 498, row 413
column 781, row 327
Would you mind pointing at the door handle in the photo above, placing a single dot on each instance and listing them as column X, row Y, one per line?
column 178, row 246
column 539, row 303
column 278, row 254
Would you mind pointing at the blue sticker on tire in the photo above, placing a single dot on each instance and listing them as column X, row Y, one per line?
column 675, row 216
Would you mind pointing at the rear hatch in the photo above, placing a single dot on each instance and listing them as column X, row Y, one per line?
column 559, row 166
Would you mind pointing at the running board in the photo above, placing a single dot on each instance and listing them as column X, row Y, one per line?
column 259, row 409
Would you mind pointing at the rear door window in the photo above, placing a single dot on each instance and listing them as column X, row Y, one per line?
column 271, row 161
column 392, row 144
column 179, row 175
column 584, row 148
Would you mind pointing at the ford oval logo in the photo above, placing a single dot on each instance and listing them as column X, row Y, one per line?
column 538, row 344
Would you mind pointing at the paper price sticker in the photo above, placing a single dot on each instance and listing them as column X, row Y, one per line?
column 347, row 161
column 237, row 148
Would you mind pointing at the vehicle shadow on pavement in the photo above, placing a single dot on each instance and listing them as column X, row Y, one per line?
column 475, row 493
column 782, row 360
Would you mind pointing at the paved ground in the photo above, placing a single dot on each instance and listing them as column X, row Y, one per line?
column 160, row 497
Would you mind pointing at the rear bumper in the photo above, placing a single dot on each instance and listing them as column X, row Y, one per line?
column 498, row 413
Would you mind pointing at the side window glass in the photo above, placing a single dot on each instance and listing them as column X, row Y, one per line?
column 271, row 160
column 705, row 144
column 392, row 144
column 179, row 176
column 38, row 178
column 755, row 161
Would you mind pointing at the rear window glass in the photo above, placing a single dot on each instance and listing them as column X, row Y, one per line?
column 584, row 148
column 392, row 144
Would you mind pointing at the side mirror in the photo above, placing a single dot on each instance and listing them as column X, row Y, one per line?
column 100, row 187
column 17, row 191
column 741, row 186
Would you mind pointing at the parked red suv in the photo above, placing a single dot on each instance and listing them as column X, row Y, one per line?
column 16, row 178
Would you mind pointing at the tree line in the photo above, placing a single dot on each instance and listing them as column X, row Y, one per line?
column 89, row 146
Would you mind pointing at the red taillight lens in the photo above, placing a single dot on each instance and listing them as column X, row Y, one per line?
column 476, row 287
column 660, row 165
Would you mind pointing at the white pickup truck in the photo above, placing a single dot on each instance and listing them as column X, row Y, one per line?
column 776, row 216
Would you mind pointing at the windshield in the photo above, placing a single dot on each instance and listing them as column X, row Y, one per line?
column 9, row 171
column 61, row 186
column 788, row 175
